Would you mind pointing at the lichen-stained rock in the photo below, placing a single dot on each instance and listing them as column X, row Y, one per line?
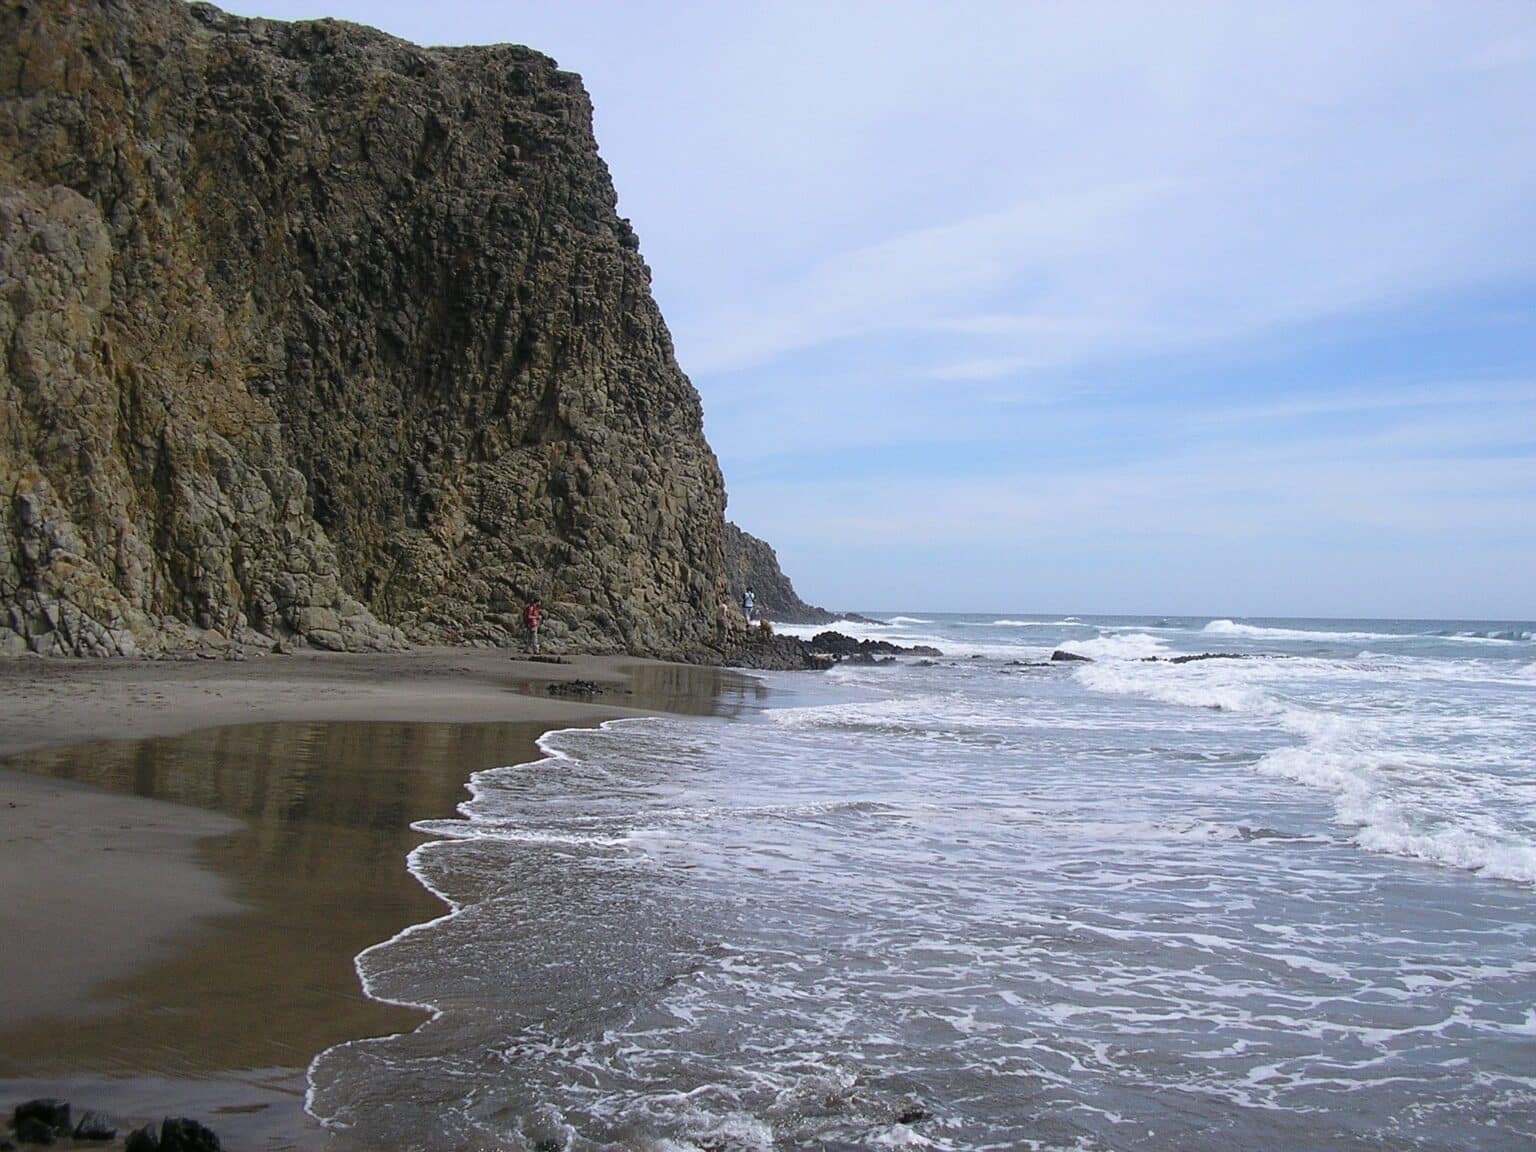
column 311, row 334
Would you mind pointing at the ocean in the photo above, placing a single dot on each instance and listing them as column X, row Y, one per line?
column 988, row 901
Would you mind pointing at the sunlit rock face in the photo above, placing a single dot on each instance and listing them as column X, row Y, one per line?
column 315, row 336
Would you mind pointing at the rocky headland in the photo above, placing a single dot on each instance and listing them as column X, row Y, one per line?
column 314, row 337
column 752, row 563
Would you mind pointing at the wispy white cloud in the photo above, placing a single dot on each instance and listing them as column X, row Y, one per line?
column 1435, row 463
column 986, row 368
column 1198, row 181
column 905, row 280
column 980, row 241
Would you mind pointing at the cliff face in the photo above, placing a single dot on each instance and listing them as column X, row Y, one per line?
column 751, row 563
column 310, row 333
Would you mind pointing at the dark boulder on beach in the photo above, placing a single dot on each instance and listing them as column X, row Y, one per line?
column 42, row 1121
column 95, row 1127
column 1061, row 656
column 176, row 1134
column 179, row 1134
column 32, row 1131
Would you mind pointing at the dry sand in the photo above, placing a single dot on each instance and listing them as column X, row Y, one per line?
column 191, row 854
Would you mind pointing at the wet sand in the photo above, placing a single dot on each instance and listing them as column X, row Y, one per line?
column 195, row 852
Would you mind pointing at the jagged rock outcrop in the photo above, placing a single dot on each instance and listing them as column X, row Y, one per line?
column 313, row 334
column 761, row 647
column 752, row 563
column 840, row 646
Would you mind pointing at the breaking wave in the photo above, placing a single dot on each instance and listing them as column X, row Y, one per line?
column 1413, row 782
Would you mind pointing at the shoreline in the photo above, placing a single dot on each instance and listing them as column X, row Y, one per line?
column 53, row 702
column 225, row 838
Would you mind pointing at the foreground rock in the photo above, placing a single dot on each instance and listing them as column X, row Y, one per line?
column 42, row 1121
column 95, row 1127
column 762, row 648
column 48, row 1121
column 317, row 337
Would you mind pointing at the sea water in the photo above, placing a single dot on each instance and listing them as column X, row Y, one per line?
column 1283, row 900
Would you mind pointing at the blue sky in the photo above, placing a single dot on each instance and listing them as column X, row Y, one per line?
column 1190, row 308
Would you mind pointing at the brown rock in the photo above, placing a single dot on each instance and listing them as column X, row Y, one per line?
column 319, row 337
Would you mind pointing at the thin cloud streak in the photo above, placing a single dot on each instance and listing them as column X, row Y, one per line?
column 1191, row 304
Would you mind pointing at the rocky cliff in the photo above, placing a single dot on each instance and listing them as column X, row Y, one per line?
column 313, row 335
column 752, row 563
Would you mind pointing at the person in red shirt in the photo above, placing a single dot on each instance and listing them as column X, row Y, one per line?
column 533, row 616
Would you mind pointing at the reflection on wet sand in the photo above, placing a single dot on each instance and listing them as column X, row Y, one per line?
column 678, row 689
column 319, row 868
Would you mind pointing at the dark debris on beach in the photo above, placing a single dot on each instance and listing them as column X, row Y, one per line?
column 49, row 1121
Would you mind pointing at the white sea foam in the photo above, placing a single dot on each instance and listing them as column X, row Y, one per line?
column 1395, row 778
column 964, row 882
column 1402, row 817
column 1260, row 632
column 1118, row 646
column 1499, row 636
column 911, row 635
column 471, row 828
column 902, row 621
column 937, row 716
column 1022, row 624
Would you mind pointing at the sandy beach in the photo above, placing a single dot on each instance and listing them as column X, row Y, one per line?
column 196, row 851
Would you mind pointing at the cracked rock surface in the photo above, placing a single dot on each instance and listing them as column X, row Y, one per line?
column 309, row 335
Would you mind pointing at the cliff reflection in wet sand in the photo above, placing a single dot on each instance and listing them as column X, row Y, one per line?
column 319, row 867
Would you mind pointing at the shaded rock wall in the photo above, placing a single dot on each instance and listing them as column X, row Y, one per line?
column 310, row 333
column 752, row 563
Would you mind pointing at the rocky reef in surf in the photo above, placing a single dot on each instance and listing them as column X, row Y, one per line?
column 837, row 646
column 317, row 337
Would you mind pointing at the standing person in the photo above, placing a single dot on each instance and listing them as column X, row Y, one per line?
column 533, row 616
column 749, row 603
